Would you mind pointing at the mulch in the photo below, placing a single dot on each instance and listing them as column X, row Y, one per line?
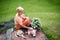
column 39, row 36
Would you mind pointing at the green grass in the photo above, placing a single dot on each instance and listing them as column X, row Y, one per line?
column 48, row 11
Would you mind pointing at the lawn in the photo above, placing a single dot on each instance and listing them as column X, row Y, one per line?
column 48, row 11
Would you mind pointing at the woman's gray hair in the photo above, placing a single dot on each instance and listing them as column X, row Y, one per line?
column 20, row 8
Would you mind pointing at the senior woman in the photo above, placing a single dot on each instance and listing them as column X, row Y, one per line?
column 21, row 21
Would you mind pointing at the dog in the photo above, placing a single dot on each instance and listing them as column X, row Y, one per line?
column 33, row 32
column 19, row 33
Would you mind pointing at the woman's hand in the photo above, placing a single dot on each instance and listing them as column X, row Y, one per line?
column 29, row 28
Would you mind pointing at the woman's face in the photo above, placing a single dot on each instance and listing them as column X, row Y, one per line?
column 20, row 12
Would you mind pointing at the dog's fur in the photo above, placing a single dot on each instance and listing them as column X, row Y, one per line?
column 19, row 33
column 33, row 32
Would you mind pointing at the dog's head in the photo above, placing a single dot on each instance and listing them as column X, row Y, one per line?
column 19, row 32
